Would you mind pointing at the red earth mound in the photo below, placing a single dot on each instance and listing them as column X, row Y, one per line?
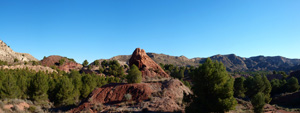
column 114, row 93
column 164, row 96
column 146, row 65
column 67, row 66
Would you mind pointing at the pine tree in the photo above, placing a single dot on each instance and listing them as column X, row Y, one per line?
column 22, row 82
column 88, row 85
column 9, row 87
column 267, row 89
column 96, row 63
column 39, row 87
column 65, row 94
column 85, row 63
column 239, row 90
column 76, row 80
column 258, row 84
column 134, row 75
column 213, row 88
column 292, row 85
column 258, row 102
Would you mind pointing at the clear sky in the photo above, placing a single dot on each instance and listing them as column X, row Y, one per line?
column 84, row 29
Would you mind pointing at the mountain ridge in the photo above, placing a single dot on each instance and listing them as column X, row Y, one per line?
column 231, row 61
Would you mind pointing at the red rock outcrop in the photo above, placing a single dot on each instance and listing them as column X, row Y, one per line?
column 163, row 96
column 67, row 66
column 146, row 65
column 114, row 93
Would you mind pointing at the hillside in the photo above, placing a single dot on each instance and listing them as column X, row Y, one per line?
column 231, row 61
column 7, row 54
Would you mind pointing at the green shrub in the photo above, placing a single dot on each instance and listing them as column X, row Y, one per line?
column 134, row 75
column 16, row 60
column 128, row 97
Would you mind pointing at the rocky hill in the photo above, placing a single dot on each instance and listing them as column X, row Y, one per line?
column 7, row 54
column 231, row 61
column 67, row 63
column 147, row 66
column 154, row 96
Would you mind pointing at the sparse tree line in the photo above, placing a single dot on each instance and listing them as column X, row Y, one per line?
column 111, row 67
column 61, row 89
column 178, row 72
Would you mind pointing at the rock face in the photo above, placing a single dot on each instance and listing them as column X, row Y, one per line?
column 153, row 97
column 67, row 66
column 7, row 54
column 147, row 66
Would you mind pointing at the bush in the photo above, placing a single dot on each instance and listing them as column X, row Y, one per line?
column 62, row 61
column 128, row 96
column 32, row 109
column 16, row 60
column 134, row 75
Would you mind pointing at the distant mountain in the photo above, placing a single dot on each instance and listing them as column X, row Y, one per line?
column 231, row 61
column 7, row 54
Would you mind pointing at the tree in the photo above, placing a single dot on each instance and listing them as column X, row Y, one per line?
column 134, row 75
column 85, row 63
column 258, row 102
column 65, row 94
column 96, row 63
column 39, row 87
column 213, row 88
column 88, row 85
column 9, row 87
column 292, row 85
column 101, row 70
column 104, row 64
column 267, row 90
column 22, row 84
column 239, row 90
column 276, row 86
column 76, row 80
column 61, row 61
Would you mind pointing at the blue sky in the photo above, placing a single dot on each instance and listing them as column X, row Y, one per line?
column 84, row 29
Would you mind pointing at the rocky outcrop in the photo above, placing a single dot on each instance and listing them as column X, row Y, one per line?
column 146, row 65
column 114, row 93
column 67, row 65
column 7, row 54
column 30, row 67
column 153, row 97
